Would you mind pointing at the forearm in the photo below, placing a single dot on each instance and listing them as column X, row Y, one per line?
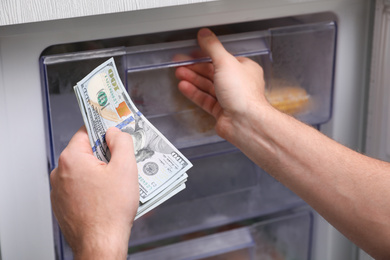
column 349, row 189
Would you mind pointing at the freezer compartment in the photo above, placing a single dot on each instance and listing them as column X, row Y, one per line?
column 223, row 187
column 288, row 237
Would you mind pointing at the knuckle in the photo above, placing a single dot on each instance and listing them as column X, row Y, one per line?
column 256, row 66
column 64, row 159
column 259, row 68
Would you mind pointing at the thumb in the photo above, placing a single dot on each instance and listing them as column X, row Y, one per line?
column 210, row 44
column 121, row 148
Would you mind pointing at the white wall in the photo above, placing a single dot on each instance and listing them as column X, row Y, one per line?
column 27, row 11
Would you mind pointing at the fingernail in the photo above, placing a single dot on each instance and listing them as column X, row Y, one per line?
column 205, row 32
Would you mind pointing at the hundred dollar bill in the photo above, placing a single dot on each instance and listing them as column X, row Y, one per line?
column 104, row 102
column 162, row 196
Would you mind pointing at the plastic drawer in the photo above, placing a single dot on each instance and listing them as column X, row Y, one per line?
column 287, row 238
column 235, row 242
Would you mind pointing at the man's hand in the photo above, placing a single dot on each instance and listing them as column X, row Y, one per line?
column 95, row 203
column 227, row 88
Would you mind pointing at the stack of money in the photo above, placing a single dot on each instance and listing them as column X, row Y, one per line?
column 104, row 102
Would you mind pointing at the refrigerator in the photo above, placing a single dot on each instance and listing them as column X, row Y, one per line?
column 335, row 51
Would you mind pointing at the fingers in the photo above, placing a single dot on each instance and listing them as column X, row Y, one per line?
column 200, row 98
column 204, row 69
column 77, row 148
column 80, row 141
column 190, row 75
column 210, row 44
column 121, row 148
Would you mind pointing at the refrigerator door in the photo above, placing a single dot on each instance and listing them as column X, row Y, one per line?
column 378, row 114
column 378, row 123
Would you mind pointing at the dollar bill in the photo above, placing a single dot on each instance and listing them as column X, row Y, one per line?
column 104, row 102
column 169, row 192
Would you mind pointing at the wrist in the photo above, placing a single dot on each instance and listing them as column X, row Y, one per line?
column 102, row 246
column 249, row 125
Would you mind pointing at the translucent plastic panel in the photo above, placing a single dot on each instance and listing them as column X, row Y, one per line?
column 224, row 245
column 288, row 238
column 303, row 58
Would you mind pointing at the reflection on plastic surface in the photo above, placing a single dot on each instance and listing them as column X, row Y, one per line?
column 287, row 238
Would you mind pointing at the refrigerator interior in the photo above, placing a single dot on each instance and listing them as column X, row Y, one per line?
column 225, row 190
